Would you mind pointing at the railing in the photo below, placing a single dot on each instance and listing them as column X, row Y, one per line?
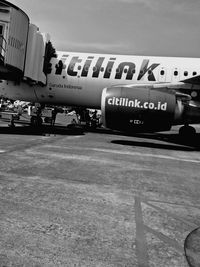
column 2, row 48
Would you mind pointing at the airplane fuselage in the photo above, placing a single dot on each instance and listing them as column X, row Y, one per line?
column 77, row 79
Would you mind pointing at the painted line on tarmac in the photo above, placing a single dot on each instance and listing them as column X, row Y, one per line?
column 70, row 157
column 141, row 243
column 62, row 155
column 182, row 204
column 167, row 240
column 129, row 153
column 145, row 155
column 82, row 158
column 170, row 214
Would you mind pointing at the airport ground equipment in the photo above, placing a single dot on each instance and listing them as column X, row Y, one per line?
column 87, row 118
column 39, row 115
column 35, row 114
column 11, row 116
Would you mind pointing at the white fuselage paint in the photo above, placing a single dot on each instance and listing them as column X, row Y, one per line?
column 83, row 76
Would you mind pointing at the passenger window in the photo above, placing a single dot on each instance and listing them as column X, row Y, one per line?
column 175, row 73
column 185, row 73
column 194, row 73
column 162, row 72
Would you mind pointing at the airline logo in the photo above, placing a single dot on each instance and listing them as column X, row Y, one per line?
column 136, row 103
column 78, row 66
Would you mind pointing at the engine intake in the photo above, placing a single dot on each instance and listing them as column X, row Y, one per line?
column 137, row 109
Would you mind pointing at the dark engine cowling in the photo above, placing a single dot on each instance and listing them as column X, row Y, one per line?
column 137, row 109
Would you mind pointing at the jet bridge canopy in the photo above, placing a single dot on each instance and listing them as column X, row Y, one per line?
column 22, row 46
column 14, row 24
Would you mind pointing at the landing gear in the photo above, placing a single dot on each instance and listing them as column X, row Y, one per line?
column 187, row 131
column 36, row 121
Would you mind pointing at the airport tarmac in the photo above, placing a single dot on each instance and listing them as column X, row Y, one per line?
column 97, row 198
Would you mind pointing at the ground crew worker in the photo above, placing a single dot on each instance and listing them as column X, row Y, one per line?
column 53, row 116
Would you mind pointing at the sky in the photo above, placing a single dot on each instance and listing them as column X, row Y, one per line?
column 136, row 27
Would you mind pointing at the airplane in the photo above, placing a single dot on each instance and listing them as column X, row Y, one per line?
column 134, row 93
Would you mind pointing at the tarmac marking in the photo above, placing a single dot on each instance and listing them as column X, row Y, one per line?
column 2, row 151
column 71, row 157
column 74, row 137
column 160, row 156
column 146, row 155
column 141, row 244
column 162, row 237
column 161, row 210
column 173, row 203
column 80, row 158
column 167, row 240
column 62, row 155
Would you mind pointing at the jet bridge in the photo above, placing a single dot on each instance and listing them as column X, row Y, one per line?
column 22, row 47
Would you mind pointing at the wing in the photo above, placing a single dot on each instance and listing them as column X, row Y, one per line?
column 194, row 80
column 180, row 89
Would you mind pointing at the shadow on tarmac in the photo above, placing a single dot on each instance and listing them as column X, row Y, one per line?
column 43, row 130
column 172, row 142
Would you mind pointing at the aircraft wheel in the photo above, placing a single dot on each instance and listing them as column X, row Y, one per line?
column 187, row 131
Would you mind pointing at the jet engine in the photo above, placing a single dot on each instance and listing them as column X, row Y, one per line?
column 139, row 109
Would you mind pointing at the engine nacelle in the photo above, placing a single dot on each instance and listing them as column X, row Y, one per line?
column 137, row 109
